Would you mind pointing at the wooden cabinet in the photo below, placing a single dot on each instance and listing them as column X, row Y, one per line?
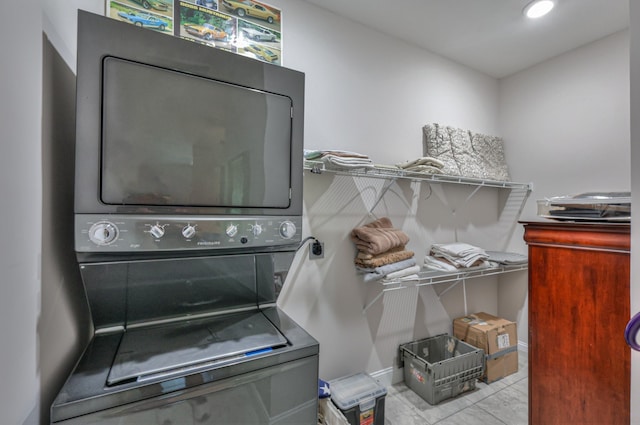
column 579, row 363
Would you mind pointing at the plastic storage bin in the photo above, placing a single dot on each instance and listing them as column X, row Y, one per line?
column 441, row 367
column 329, row 414
column 360, row 399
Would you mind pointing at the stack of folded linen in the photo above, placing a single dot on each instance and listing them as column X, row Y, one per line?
column 507, row 258
column 425, row 164
column 455, row 256
column 382, row 252
column 339, row 159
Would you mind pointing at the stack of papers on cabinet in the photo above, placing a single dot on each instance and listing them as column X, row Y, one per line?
column 591, row 206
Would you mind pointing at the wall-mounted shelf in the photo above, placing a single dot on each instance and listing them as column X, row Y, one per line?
column 430, row 277
column 518, row 194
column 318, row 167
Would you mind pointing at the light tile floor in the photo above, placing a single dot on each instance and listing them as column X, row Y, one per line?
column 504, row 402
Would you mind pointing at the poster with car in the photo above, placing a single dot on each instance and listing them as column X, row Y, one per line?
column 261, row 43
column 207, row 26
column 246, row 27
column 153, row 14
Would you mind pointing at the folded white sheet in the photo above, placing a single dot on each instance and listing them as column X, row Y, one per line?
column 459, row 254
column 402, row 273
column 347, row 162
column 425, row 160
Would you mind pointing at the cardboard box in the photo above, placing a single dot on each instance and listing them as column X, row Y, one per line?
column 496, row 336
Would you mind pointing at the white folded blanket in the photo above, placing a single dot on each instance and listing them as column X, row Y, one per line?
column 425, row 160
column 409, row 277
column 459, row 254
column 347, row 162
column 435, row 264
column 316, row 154
column 428, row 169
column 404, row 272
column 443, row 265
column 382, row 271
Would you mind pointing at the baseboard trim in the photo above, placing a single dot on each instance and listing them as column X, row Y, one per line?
column 523, row 346
column 389, row 376
column 384, row 376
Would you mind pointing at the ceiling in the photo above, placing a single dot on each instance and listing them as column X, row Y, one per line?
column 491, row 36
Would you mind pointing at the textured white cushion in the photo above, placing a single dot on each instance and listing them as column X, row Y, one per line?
column 489, row 150
column 465, row 153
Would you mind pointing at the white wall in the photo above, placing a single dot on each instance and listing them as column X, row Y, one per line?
column 20, row 191
column 566, row 121
column 369, row 93
column 372, row 94
column 566, row 127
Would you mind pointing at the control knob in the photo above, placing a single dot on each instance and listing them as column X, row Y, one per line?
column 188, row 231
column 157, row 231
column 231, row 230
column 287, row 229
column 103, row 233
column 256, row 229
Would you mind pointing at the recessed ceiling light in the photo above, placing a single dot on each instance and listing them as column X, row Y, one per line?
column 538, row 8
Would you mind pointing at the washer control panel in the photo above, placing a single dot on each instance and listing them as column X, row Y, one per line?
column 133, row 233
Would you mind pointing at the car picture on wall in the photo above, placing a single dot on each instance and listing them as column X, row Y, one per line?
column 206, row 31
column 153, row 4
column 251, row 9
column 258, row 42
column 262, row 53
column 210, row 4
column 157, row 7
column 140, row 17
column 246, row 27
column 144, row 20
column 207, row 26
column 259, row 34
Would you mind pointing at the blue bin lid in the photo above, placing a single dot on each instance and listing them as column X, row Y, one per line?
column 352, row 390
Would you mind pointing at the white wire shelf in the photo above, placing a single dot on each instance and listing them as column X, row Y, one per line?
column 431, row 277
column 318, row 167
column 519, row 192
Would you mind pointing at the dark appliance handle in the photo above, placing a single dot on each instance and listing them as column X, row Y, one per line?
column 631, row 331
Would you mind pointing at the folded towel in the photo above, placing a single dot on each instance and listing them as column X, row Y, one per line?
column 382, row 259
column 315, row 154
column 377, row 241
column 378, row 237
column 409, row 277
column 333, row 161
column 443, row 265
column 425, row 160
column 380, row 272
column 384, row 222
column 413, row 270
column 366, row 256
column 427, row 169
column 386, row 167
column 434, row 263
column 459, row 254
column 504, row 257
column 458, row 249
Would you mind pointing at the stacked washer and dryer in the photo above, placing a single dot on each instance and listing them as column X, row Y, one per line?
column 188, row 205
